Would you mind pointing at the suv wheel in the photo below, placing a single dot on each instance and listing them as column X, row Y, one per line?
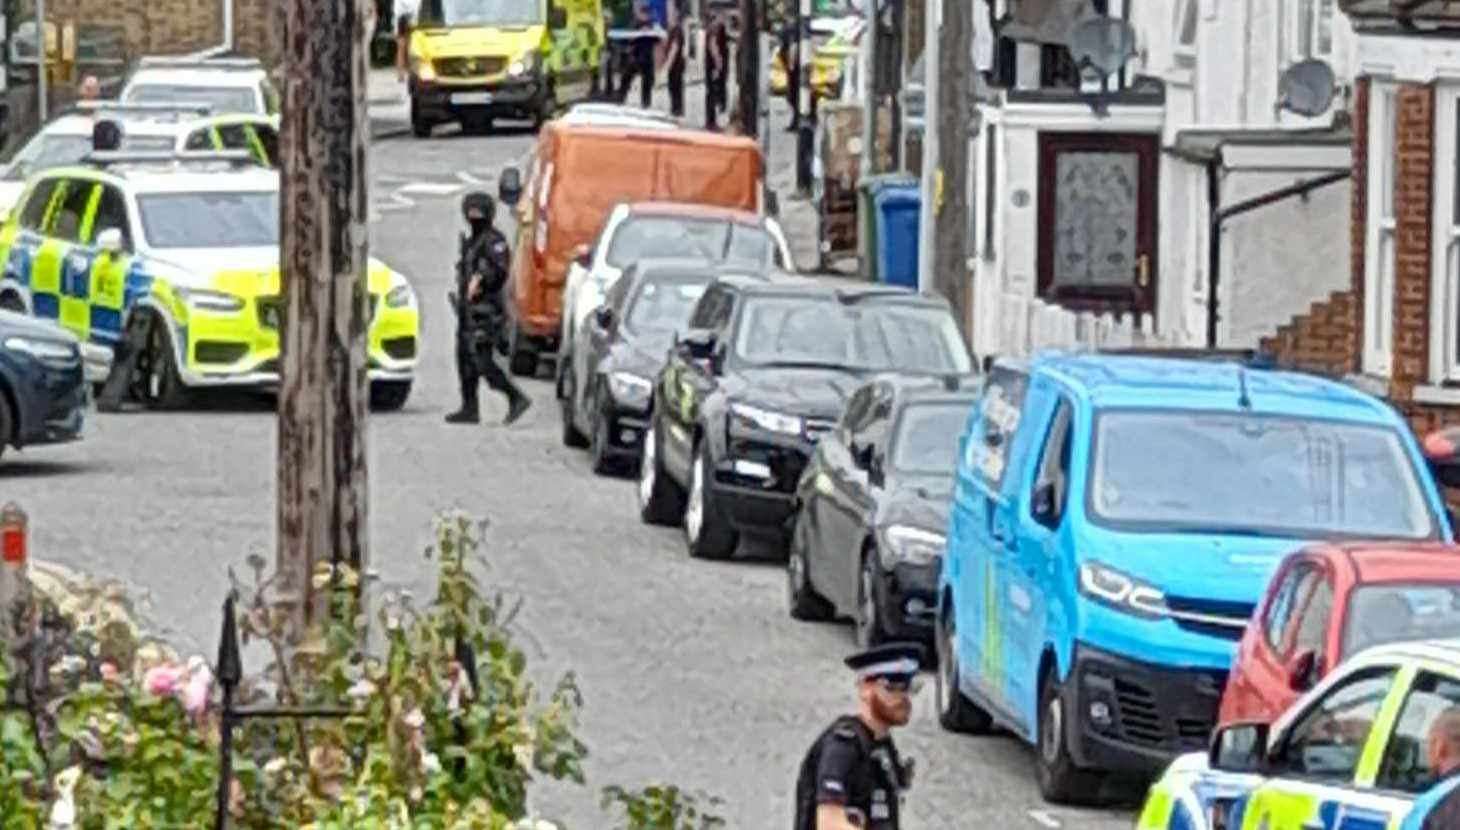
column 870, row 631
column 661, row 502
column 706, row 532
column 801, row 597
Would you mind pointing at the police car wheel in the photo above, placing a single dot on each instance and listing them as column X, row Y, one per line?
column 1060, row 781
column 801, row 597
column 389, row 395
column 161, row 386
column 956, row 713
column 706, row 532
column 661, row 502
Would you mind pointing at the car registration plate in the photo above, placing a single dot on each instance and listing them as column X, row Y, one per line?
column 471, row 97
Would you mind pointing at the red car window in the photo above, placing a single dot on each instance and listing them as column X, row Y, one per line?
column 1311, row 631
column 1280, row 612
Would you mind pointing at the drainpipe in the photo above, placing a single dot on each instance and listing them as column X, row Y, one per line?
column 227, row 44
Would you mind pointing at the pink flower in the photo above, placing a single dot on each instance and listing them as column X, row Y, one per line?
column 109, row 673
column 164, row 680
column 195, row 693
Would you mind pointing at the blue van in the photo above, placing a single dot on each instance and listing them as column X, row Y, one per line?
column 1115, row 519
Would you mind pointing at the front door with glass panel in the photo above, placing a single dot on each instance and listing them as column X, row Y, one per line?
column 1097, row 221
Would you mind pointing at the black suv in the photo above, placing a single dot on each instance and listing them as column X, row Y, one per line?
column 763, row 371
column 43, row 392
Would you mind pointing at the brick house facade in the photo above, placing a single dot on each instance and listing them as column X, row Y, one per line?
column 1396, row 329
column 165, row 27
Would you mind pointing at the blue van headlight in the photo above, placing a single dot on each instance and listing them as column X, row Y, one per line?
column 1103, row 583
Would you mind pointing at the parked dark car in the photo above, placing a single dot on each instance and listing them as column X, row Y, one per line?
column 872, row 508
column 619, row 351
column 762, row 371
column 43, row 390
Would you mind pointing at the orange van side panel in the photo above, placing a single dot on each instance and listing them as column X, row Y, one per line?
column 593, row 170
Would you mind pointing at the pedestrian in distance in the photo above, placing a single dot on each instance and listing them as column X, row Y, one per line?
column 1438, row 808
column 89, row 90
column 790, row 58
column 852, row 777
column 675, row 59
column 717, row 68
column 481, row 271
column 641, row 57
column 405, row 15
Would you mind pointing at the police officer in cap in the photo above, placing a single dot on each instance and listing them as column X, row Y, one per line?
column 106, row 136
column 852, row 776
column 481, row 272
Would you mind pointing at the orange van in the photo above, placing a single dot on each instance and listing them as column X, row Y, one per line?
column 576, row 175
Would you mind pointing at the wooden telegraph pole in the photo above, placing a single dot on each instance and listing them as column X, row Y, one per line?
column 323, row 396
column 954, row 110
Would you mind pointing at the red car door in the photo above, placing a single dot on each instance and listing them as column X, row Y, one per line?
column 1257, row 689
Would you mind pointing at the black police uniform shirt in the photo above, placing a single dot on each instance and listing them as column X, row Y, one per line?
column 1445, row 815
column 489, row 257
column 865, row 786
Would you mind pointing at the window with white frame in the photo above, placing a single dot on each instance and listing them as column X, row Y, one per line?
column 1379, row 234
column 1184, row 28
column 1310, row 27
column 1445, row 310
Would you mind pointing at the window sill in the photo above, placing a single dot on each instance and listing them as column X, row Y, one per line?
column 1444, row 395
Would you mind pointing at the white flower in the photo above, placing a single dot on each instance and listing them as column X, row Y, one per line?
column 361, row 690
column 430, row 764
column 414, row 719
column 63, row 812
column 275, row 766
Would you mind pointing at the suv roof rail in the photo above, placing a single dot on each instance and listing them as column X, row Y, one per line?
column 186, row 62
column 106, row 158
column 1251, row 358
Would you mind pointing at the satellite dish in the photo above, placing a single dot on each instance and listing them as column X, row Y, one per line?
column 1103, row 44
column 1306, row 88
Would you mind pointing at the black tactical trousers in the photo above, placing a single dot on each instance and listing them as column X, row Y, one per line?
column 124, row 364
column 475, row 362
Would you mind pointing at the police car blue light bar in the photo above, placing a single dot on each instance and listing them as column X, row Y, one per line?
column 108, row 157
column 183, row 62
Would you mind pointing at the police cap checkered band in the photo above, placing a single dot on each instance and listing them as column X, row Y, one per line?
column 890, row 659
column 906, row 667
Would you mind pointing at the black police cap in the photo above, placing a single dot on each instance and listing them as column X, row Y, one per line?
column 106, row 135
column 893, row 660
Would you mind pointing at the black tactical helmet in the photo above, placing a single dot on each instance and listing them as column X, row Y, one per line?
column 478, row 205
column 106, row 135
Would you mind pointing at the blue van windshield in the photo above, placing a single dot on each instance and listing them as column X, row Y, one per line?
column 1253, row 474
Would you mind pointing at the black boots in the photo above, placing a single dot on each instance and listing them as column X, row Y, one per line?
column 516, row 405
column 465, row 415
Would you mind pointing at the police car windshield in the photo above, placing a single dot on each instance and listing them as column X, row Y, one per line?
column 673, row 236
column 480, row 12
column 927, row 438
column 866, row 336
column 210, row 220
column 224, row 99
column 46, row 151
column 1255, row 475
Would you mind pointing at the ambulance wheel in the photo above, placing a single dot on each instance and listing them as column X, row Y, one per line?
column 1060, row 781
column 547, row 107
column 160, row 385
column 389, row 395
column 956, row 713
column 420, row 127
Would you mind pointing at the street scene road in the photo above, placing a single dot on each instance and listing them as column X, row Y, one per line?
column 691, row 671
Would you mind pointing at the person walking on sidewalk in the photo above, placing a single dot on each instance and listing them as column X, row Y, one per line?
column 641, row 57
column 791, row 58
column 674, row 59
column 717, row 68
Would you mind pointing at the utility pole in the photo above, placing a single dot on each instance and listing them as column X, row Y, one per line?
column 323, row 395
column 805, row 129
column 954, row 113
column 41, row 62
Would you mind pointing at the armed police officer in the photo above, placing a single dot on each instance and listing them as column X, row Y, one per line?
column 481, row 271
column 852, row 776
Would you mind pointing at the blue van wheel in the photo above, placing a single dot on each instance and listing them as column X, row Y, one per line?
column 1060, row 781
column 956, row 713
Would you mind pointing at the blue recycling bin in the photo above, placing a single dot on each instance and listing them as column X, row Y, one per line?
column 896, row 241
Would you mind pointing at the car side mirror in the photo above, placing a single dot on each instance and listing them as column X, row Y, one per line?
column 1239, row 748
column 603, row 316
column 1303, row 670
column 1043, row 507
column 583, row 255
column 509, row 186
column 110, row 240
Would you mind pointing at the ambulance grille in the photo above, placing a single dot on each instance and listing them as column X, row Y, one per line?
column 470, row 67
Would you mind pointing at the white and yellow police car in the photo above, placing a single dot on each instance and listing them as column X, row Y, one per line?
column 257, row 135
column 230, row 85
column 1352, row 754
column 191, row 243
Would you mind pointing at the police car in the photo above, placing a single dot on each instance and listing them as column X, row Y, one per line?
column 67, row 139
column 257, row 135
column 230, row 85
column 1352, row 753
column 192, row 243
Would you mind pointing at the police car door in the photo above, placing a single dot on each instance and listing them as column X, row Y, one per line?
column 23, row 239
column 61, row 279
column 108, row 267
column 1325, row 763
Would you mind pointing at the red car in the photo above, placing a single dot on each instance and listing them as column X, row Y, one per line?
column 1326, row 602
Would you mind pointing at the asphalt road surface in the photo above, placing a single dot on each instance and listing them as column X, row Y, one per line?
column 693, row 672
